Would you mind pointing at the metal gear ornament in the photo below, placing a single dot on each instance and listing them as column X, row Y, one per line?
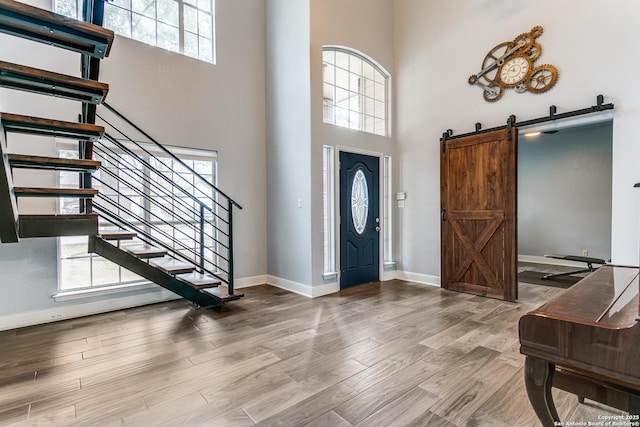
column 511, row 65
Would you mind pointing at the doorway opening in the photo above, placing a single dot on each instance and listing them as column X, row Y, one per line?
column 564, row 197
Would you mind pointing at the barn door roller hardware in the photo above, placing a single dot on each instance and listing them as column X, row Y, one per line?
column 553, row 115
column 443, row 140
column 511, row 121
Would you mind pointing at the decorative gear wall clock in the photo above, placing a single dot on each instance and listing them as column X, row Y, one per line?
column 511, row 65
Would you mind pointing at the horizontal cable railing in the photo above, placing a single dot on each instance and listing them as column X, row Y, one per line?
column 145, row 188
column 166, row 151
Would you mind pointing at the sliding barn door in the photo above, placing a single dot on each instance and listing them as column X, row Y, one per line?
column 478, row 200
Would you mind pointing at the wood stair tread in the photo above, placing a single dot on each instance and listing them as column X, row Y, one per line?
column 54, row 192
column 39, row 126
column 117, row 235
column 172, row 266
column 58, row 216
column 41, row 25
column 222, row 294
column 49, row 83
column 54, row 225
column 145, row 251
column 55, row 163
column 198, row 280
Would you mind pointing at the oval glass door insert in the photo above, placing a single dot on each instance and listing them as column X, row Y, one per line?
column 359, row 201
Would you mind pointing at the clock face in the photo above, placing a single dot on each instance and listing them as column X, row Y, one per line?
column 514, row 71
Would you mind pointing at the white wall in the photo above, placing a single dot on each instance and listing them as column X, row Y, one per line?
column 179, row 101
column 440, row 43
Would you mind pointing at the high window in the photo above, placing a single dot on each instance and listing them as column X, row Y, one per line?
column 355, row 91
column 183, row 26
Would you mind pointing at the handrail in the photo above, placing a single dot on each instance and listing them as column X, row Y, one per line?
column 157, row 172
column 164, row 208
column 153, row 226
column 141, row 160
column 169, row 153
column 117, row 219
column 191, row 221
column 149, row 239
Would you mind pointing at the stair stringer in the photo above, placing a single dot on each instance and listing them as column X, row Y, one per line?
column 8, row 204
column 142, row 268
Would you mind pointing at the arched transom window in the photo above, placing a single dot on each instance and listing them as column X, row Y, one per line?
column 355, row 91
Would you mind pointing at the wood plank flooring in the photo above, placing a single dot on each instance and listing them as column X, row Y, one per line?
column 384, row 354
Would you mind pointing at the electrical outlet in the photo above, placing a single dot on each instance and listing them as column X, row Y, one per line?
column 585, row 252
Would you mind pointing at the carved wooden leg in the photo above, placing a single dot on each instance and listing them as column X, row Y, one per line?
column 538, row 375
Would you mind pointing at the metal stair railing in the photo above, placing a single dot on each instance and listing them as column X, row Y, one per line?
column 142, row 188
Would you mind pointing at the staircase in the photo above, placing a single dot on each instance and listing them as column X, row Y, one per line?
column 42, row 26
column 196, row 264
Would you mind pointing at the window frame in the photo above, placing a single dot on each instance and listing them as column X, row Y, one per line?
column 355, row 91
column 205, row 55
column 329, row 211
column 387, row 211
column 69, row 147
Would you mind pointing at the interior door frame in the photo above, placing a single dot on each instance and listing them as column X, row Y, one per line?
column 569, row 123
column 343, row 149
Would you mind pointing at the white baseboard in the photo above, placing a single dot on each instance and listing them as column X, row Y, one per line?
column 81, row 309
column 388, row 275
column 424, row 279
column 64, row 312
column 246, row 282
column 551, row 261
column 302, row 289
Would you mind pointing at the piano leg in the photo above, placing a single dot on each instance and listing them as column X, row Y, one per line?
column 538, row 375
column 634, row 406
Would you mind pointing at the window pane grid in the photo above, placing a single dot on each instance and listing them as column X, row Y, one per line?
column 183, row 26
column 354, row 92
column 81, row 270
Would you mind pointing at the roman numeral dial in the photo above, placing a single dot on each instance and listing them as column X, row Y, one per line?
column 514, row 71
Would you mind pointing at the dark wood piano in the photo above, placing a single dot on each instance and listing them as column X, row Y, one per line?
column 585, row 341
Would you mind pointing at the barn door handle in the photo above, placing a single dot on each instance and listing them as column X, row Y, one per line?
column 443, row 215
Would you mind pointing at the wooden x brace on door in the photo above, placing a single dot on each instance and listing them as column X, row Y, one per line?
column 494, row 220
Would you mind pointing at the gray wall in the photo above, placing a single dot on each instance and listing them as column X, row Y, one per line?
column 288, row 140
column 564, row 192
